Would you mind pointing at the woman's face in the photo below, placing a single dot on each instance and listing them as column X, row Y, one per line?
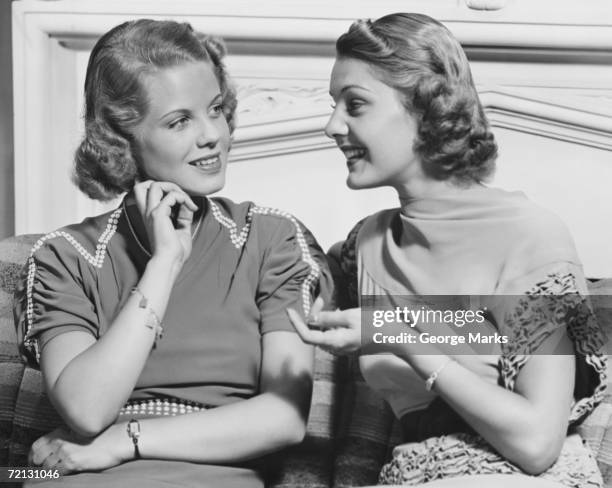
column 371, row 127
column 184, row 138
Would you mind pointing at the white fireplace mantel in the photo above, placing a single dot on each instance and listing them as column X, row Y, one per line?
column 543, row 68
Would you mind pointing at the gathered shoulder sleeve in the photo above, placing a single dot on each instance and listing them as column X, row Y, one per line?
column 54, row 296
column 293, row 272
column 554, row 299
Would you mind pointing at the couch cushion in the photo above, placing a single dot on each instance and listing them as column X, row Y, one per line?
column 597, row 427
column 34, row 417
column 368, row 430
column 311, row 463
column 26, row 413
column 13, row 254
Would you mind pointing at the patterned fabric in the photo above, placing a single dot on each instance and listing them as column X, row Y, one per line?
column 553, row 304
column 310, row 464
column 25, row 412
column 595, row 429
column 455, row 455
column 348, row 292
column 588, row 337
column 367, row 430
column 350, row 430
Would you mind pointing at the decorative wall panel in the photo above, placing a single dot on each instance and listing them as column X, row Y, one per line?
column 544, row 70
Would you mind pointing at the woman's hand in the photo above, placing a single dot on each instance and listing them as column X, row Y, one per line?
column 169, row 230
column 338, row 332
column 69, row 453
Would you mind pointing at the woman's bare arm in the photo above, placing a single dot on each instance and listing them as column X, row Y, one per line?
column 271, row 420
column 89, row 380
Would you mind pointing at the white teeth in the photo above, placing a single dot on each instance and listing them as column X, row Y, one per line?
column 202, row 163
column 354, row 153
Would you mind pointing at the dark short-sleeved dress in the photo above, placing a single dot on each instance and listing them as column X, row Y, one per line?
column 247, row 266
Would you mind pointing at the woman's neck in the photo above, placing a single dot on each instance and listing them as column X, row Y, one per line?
column 425, row 188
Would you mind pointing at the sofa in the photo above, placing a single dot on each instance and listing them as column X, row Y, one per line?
column 351, row 430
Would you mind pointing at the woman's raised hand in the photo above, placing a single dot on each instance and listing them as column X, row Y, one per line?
column 169, row 231
column 338, row 331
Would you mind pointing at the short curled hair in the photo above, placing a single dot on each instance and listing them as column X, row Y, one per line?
column 420, row 58
column 116, row 100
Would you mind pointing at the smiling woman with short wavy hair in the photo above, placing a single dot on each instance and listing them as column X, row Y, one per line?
column 421, row 59
column 407, row 115
column 106, row 162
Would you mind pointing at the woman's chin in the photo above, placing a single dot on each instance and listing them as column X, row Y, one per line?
column 354, row 182
column 207, row 187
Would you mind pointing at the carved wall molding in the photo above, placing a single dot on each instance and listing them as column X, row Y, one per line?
column 546, row 119
column 486, row 4
column 261, row 102
column 505, row 110
column 283, row 110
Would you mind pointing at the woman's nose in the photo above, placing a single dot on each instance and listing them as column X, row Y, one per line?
column 208, row 133
column 336, row 126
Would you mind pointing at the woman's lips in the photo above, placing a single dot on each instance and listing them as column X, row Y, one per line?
column 210, row 164
column 352, row 154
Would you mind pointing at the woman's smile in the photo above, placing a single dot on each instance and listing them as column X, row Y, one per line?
column 208, row 164
column 184, row 138
column 353, row 154
column 371, row 127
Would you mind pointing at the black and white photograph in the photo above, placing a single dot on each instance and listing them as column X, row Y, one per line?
column 305, row 244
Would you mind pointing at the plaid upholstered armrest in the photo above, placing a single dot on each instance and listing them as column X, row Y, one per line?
column 13, row 254
column 25, row 412
column 597, row 427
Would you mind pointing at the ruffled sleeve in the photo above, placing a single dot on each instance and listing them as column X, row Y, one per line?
column 294, row 271
column 53, row 297
column 556, row 299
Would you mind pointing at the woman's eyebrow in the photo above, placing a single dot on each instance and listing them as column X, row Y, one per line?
column 183, row 111
column 348, row 87
column 177, row 111
column 218, row 97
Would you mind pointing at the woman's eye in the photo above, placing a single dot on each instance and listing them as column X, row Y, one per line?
column 217, row 109
column 354, row 105
column 178, row 123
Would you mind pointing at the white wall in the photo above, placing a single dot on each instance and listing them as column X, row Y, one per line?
column 543, row 69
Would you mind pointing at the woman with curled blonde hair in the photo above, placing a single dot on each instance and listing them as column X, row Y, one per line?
column 407, row 115
column 160, row 327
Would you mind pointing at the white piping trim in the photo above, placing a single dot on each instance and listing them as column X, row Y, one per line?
column 239, row 238
column 97, row 261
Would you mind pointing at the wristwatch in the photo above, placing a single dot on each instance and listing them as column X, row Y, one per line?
column 133, row 431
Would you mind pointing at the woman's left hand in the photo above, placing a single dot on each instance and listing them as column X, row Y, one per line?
column 63, row 450
column 338, row 332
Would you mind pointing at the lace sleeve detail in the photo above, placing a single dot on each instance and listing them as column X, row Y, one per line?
column 551, row 304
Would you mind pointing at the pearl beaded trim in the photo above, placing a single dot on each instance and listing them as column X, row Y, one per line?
column 96, row 260
column 157, row 406
column 238, row 239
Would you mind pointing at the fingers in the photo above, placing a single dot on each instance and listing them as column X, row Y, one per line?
column 184, row 217
column 316, row 308
column 140, row 193
column 51, row 461
column 39, row 451
column 154, row 197
column 149, row 195
column 308, row 335
column 164, row 207
column 337, row 340
column 331, row 320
